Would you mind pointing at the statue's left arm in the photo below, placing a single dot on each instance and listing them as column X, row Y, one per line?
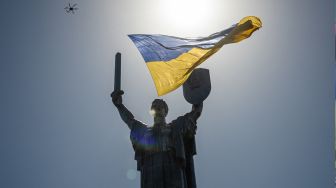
column 196, row 111
column 186, row 124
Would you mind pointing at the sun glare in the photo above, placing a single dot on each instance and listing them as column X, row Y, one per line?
column 186, row 13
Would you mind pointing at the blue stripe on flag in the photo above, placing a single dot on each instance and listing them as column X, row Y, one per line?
column 166, row 48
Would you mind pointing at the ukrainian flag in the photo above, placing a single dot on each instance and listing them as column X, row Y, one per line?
column 171, row 60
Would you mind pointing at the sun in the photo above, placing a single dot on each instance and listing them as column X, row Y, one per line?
column 186, row 13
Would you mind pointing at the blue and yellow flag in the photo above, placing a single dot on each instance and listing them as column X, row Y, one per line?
column 171, row 60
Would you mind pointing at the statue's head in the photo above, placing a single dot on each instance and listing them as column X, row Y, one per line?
column 159, row 108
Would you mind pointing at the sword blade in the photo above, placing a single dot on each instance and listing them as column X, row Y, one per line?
column 117, row 72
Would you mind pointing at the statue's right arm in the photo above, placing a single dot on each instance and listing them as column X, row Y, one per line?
column 125, row 114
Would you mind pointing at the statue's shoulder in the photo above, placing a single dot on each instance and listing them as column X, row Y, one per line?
column 180, row 118
column 139, row 124
column 179, row 121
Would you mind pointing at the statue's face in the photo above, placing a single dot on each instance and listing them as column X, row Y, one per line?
column 158, row 109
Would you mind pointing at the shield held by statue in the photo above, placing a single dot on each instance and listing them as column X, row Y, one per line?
column 198, row 86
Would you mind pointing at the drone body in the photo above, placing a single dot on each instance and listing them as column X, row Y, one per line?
column 71, row 8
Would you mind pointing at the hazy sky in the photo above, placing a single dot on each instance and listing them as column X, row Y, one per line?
column 268, row 122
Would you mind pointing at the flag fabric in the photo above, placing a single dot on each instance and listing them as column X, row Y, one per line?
column 171, row 60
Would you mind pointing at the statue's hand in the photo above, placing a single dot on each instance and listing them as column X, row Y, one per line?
column 117, row 97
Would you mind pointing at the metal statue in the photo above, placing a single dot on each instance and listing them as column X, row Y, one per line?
column 164, row 152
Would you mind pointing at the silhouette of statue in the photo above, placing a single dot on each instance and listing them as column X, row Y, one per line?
column 164, row 151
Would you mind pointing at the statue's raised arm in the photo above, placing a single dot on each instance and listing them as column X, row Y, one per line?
column 196, row 111
column 125, row 114
column 186, row 124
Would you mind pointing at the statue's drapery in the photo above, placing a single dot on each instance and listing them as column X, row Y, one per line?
column 171, row 165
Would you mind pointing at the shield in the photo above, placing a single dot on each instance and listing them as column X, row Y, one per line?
column 198, row 86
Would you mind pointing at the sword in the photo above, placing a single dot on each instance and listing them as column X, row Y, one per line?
column 117, row 72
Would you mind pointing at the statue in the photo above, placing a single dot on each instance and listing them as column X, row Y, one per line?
column 164, row 152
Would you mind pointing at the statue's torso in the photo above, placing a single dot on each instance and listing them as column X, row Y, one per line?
column 161, row 139
column 164, row 159
column 159, row 168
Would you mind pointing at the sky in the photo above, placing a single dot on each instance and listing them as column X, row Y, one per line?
column 268, row 122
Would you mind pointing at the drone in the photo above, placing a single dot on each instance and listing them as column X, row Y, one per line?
column 71, row 8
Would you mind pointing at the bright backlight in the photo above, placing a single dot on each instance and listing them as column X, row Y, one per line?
column 186, row 13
